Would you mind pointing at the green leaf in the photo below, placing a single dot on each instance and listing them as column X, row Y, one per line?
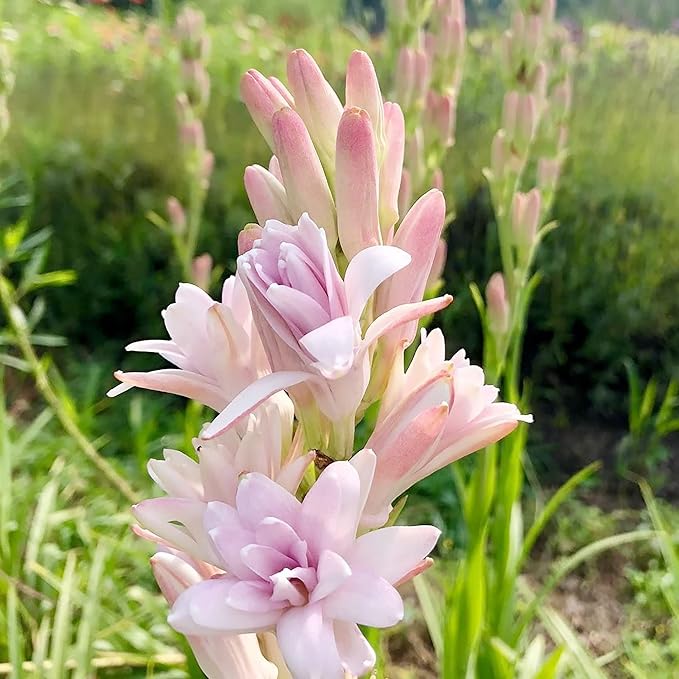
column 432, row 612
column 14, row 635
column 61, row 632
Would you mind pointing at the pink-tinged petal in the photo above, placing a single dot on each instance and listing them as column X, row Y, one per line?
column 356, row 183
column 262, row 100
column 424, row 565
column 391, row 168
column 392, row 552
column 275, row 168
column 330, row 509
column 260, row 498
column 177, row 474
column 307, row 642
column 247, row 238
column 251, row 397
column 177, row 521
column 316, row 102
column 173, row 574
column 154, row 347
column 119, row 389
column 282, row 90
column 332, row 571
column 403, row 314
column 363, row 91
column 291, row 474
column 419, row 236
column 228, row 536
column 365, row 599
column 203, row 609
column 171, row 381
column 301, row 312
column 364, row 462
column 252, row 596
column 332, row 345
column 219, row 477
column 367, row 270
column 303, row 177
column 265, row 561
column 266, row 195
column 282, row 537
column 357, row 655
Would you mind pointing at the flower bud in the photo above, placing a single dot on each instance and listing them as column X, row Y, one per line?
column 193, row 136
column 561, row 98
column 526, row 215
column 415, row 160
column 392, row 167
column 533, row 37
column 356, row 183
column 549, row 170
column 437, row 266
column 196, row 83
column 275, row 168
column 510, row 110
column 190, row 32
column 305, row 182
column 266, row 195
column 499, row 155
column 363, row 91
column 404, row 78
column 208, row 166
column 497, row 305
column 316, row 103
column 176, row 214
column 202, row 271
column 247, row 237
column 262, row 100
column 405, row 193
column 282, row 90
column 526, row 122
column 423, row 68
column 441, row 110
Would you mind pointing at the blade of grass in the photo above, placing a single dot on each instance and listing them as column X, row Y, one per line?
column 14, row 635
column 63, row 620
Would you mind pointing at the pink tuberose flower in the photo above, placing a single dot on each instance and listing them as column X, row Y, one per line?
column 298, row 567
column 214, row 346
column 431, row 415
column 311, row 323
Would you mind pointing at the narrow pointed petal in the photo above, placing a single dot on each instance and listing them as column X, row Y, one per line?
column 363, row 91
column 305, row 182
column 251, row 397
column 291, row 474
column 332, row 571
column 332, row 345
column 356, row 183
column 171, row 381
column 358, row 656
column 367, row 271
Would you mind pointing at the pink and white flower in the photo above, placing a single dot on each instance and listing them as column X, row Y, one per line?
column 431, row 415
column 298, row 567
column 214, row 346
column 310, row 321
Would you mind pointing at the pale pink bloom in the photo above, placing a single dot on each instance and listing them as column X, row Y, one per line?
column 214, row 346
column 223, row 656
column 431, row 415
column 309, row 320
column 438, row 266
column 298, row 567
column 264, row 445
column 201, row 267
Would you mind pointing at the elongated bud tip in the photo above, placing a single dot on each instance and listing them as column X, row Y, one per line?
column 202, row 271
column 247, row 237
column 176, row 215
column 498, row 305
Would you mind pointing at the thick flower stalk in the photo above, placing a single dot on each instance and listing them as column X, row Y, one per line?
column 274, row 538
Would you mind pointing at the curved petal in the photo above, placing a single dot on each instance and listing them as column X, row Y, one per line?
column 251, row 397
column 392, row 552
column 308, row 644
column 367, row 270
column 332, row 571
column 260, row 498
column 332, row 344
column 365, row 599
column 356, row 654
column 172, row 381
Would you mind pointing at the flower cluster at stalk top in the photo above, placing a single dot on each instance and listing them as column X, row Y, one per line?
column 275, row 539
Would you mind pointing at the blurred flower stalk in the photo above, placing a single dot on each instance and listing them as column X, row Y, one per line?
column 184, row 219
column 276, row 536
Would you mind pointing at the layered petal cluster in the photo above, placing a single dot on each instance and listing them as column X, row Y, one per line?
column 298, row 567
column 221, row 656
column 310, row 320
column 214, row 346
column 264, row 446
column 432, row 414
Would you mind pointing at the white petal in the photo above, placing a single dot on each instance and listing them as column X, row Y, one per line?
column 356, row 654
column 332, row 344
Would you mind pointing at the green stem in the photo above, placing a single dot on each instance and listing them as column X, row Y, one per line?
column 17, row 322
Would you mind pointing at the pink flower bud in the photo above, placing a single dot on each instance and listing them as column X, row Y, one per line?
column 193, row 136
column 392, row 166
column 405, row 193
column 356, row 183
column 208, row 167
column 184, row 112
column 437, row 179
column 526, row 215
column 499, row 154
column 539, row 81
column 247, row 237
column 404, row 78
column 316, row 102
column 196, row 82
column 497, row 305
column 548, row 11
column 202, row 271
column 415, row 160
column 526, row 122
column 423, row 69
column 437, row 266
column 176, row 214
column 441, row 110
column 303, row 178
column 510, row 111
column 282, row 90
column 262, row 100
column 562, row 97
column 275, row 168
column 533, row 36
column 363, row 91
column 549, row 170
column 266, row 194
